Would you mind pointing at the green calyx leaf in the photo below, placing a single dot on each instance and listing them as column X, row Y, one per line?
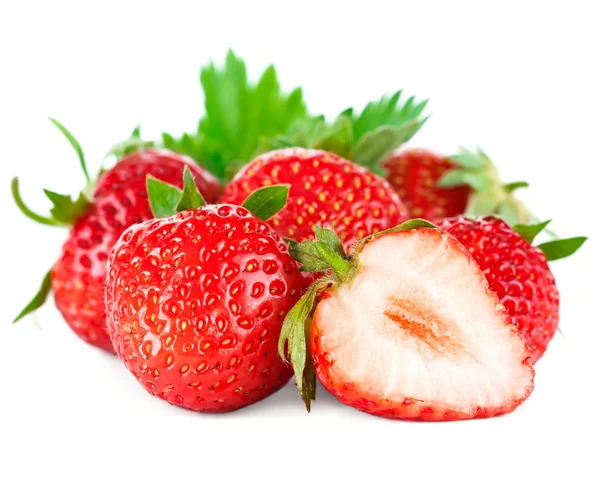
column 561, row 248
column 488, row 194
column 75, row 144
column 191, row 197
column 368, row 138
column 66, row 210
column 130, row 145
column 39, row 299
column 326, row 252
column 530, row 232
column 267, row 201
column 238, row 115
column 14, row 188
column 166, row 200
column 294, row 333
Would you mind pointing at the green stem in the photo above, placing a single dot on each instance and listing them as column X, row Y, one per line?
column 14, row 186
column 338, row 264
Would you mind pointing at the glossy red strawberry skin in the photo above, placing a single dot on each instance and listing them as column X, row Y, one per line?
column 517, row 272
column 120, row 200
column 414, row 174
column 195, row 305
column 325, row 189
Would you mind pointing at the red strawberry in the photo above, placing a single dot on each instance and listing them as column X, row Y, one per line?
column 406, row 328
column 414, row 174
column 433, row 186
column 195, row 304
column 324, row 188
column 119, row 200
column 517, row 271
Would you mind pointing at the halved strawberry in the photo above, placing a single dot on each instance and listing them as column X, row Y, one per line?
column 407, row 328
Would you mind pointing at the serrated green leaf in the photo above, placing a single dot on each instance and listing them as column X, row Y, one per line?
column 39, row 299
column 530, row 232
column 238, row 116
column 266, row 202
column 191, row 198
column 331, row 239
column 65, row 209
column 163, row 197
column 561, row 248
column 75, row 144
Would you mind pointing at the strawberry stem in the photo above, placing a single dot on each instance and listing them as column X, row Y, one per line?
column 14, row 187
column 338, row 264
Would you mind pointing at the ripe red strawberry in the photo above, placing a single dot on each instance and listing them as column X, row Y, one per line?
column 517, row 272
column 324, row 188
column 414, row 174
column 119, row 200
column 195, row 304
column 406, row 328
column 433, row 186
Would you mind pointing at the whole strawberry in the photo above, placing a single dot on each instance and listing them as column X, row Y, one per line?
column 517, row 271
column 406, row 327
column 119, row 199
column 434, row 186
column 324, row 188
column 195, row 301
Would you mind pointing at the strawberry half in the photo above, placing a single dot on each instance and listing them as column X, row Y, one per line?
column 195, row 301
column 517, row 271
column 324, row 188
column 119, row 199
column 406, row 328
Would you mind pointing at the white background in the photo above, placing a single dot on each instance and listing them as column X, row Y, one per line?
column 520, row 80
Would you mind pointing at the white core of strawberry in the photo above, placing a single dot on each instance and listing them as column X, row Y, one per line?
column 419, row 322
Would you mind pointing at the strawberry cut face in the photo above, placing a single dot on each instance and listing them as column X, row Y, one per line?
column 417, row 334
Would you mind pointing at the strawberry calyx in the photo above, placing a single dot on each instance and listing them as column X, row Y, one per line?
column 167, row 200
column 65, row 210
column 325, row 253
column 367, row 138
column 554, row 250
column 489, row 194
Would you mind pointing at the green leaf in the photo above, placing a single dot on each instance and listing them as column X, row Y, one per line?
column 39, row 299
column 376, row 146
column 14, row 188
column 307, row 253
column 294, row 333
column 163, row 197
column 65, row 209
column 414, row 224
column 267, row 201
column 191, row 198
column 510, row 187
column 130, row 145
column 470, row 160
column 75, row 145
column 238, row 116
column 457, row 177
column 530, row 232
column 561, row 248
column 331, row 239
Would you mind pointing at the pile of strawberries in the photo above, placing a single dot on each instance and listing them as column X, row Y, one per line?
column 272, row 242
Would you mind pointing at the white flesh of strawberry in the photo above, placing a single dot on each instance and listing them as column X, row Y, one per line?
column 419, row 322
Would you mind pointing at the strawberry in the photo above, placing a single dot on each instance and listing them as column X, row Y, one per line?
column 517, row 271
column 324, row 188
column 433, row 186
column 407, row 327
column 119, row 200
column 195, row 301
